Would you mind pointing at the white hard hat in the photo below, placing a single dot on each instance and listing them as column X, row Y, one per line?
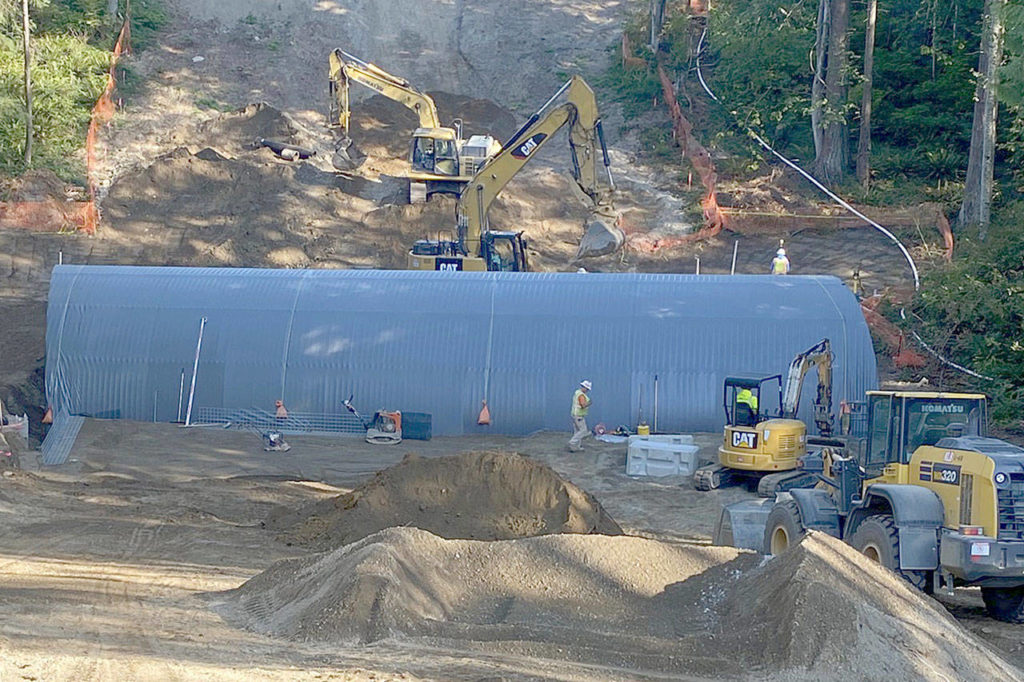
column 585, row 384
column 780, row 252
column 583, row 270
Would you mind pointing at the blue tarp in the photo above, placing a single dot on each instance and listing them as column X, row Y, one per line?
column 118, row 338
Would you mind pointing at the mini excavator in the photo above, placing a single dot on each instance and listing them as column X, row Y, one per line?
column 766, row 449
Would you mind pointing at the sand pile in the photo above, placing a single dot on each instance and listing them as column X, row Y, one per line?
column 479, row 496
column 821, row 612
column 585, row 596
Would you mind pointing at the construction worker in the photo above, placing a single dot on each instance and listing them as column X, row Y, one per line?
column 780, row 264
column 746, row 407
column 580, row 407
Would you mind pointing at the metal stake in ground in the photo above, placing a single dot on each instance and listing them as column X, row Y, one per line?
column 195, row 370
column 181, row 393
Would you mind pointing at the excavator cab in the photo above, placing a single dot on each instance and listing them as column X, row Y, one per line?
column 504, row 251
column 742, row 396
column 435, row 152
column 498, row 252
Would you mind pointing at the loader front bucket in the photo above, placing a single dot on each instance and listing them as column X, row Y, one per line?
column 347, row 156
column 742, row 524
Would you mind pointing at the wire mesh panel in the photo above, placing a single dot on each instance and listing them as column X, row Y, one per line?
column 296, row 423
column 61, row 438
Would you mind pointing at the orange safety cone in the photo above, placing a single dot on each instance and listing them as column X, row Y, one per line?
column 485, row 415
column 48, row 417
column 281, row 413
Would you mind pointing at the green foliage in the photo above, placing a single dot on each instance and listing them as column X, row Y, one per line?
column 68, row 75
column 71, row 40
column 1011, row 74
column 760, row 67
column 974, row 310
column 635, row 87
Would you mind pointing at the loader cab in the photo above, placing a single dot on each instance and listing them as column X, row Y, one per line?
column 901, row 422
column 435, row 151
column 767, row 394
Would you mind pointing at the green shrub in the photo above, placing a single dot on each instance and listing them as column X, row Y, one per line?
column 68, row 75
column 977, row 302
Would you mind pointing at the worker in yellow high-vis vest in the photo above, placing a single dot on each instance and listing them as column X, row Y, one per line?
column 580, row 407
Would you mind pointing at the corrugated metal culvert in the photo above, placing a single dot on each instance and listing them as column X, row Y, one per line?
column 118, row 339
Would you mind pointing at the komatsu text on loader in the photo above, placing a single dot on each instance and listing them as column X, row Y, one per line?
column 442, row 161
column 765, row 448
column 922, row 490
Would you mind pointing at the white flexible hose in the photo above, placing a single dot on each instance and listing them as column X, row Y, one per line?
column 841, row 202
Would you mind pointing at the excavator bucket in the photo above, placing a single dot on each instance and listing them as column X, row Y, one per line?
column 742, row 524
column 600, row 237
column 347, row 156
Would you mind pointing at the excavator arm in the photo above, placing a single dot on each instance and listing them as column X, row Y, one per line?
column 818, row 356
column 587, row 147
column 345, row 68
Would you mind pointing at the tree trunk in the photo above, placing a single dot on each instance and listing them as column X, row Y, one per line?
column 818, row 84
column 864, row 140
column 976, row 208
column 834, row 154
column 26, row 35
column 657, row 17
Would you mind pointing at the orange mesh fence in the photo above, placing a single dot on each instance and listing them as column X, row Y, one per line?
column 53, row 214
column 700, row 159
column 102, row 112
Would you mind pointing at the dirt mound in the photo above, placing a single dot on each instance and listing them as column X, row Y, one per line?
column 597, row 595
column 383, row 127
column 820, row 612
column 480, row 496
column 823, row 611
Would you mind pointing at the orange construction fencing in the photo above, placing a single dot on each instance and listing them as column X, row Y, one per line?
column 54, row 214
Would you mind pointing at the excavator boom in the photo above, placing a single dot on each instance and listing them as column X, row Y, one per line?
column 587, row 147
column 818, row 356
column 345, row 68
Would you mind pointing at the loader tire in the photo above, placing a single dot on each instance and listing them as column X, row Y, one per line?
column 878, row 539
column 1004, row 603
column 784, row 528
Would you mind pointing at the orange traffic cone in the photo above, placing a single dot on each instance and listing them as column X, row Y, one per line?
column 281, row 413
column 485, row 416
column 48, row 417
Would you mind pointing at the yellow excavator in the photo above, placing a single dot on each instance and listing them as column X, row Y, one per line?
column 921, row 490
column 442, row 161
column 766, row 449
column 478, row 248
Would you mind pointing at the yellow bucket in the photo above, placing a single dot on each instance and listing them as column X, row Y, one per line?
column 643, row 430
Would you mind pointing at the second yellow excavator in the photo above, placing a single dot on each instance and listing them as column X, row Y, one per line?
column 765, row 449
column 478, row 248
column 442, row 161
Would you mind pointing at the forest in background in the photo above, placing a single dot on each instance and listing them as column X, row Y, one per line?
column 759, row 57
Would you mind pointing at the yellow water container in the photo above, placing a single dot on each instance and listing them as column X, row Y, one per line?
column 643, row 430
